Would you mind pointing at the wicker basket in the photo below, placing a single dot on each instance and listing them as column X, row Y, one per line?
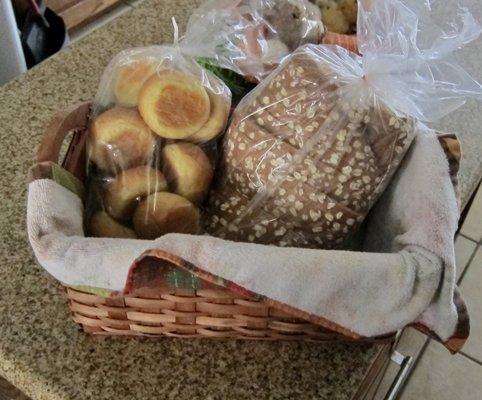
column 211, row 311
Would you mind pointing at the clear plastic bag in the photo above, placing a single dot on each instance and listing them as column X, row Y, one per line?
column 151, row 144
column 251, row 37
column 309, row 151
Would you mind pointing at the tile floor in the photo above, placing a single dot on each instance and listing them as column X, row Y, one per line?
column 437, row 375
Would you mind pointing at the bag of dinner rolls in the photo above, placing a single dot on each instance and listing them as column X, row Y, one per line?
column 251, row 37
column 308, row 152
column 151, row 144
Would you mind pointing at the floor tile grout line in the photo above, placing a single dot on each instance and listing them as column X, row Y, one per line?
column 471, row 358
column 419, row 358
column 467, row 265
column 468, row 238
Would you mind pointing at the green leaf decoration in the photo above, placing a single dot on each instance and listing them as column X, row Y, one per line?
column 67, row 180
column 182, row 280
column 93, row 290
column 236, row 83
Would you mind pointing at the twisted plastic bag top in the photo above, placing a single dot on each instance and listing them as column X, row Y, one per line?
column 408, row 59
column 251, row 37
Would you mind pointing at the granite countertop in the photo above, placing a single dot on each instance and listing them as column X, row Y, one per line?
column 43, row 352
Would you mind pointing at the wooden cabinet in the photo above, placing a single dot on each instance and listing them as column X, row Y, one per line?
column 10, row 392
column 76, row 12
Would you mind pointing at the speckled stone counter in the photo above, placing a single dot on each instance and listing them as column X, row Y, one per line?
column 41, row 349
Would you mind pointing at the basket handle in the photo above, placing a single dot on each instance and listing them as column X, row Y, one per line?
column 64, row 121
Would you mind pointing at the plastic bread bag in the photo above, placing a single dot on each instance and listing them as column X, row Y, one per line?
column 308, row 152
column 251, row 37
column 151, row 144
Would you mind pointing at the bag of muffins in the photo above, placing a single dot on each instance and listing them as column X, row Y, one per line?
column 251, row 37
column 308, row 152
column 151, row 144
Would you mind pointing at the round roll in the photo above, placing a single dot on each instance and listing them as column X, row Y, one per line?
column 164, row 212
column 103, row 225
column 350, row 10
column 334, row 19
column 129, row 81
column 123, row 193
column 119, row 139
column 220, row 106
column 187, row 170
column 174, row 104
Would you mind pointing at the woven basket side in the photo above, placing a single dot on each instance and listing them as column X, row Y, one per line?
column 205, row 313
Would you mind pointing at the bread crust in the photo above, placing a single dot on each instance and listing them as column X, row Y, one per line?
column 173, row 104
column 126, row 190
column 129, row 80
column 119, row 139
column 220, row 106
column 165, row 212
column 187, row 170
column 103, row 225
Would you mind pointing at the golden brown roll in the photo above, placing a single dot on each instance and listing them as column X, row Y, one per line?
column 164, row 212
column 174, row 104
column 187, row 170
column 350, row 10
column 220, row 106
column 124, row 192
column 129, row 81
column 103, row 225
column 334, row 19
column 119, row 139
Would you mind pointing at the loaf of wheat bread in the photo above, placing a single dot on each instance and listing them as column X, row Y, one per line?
column 304, row 158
